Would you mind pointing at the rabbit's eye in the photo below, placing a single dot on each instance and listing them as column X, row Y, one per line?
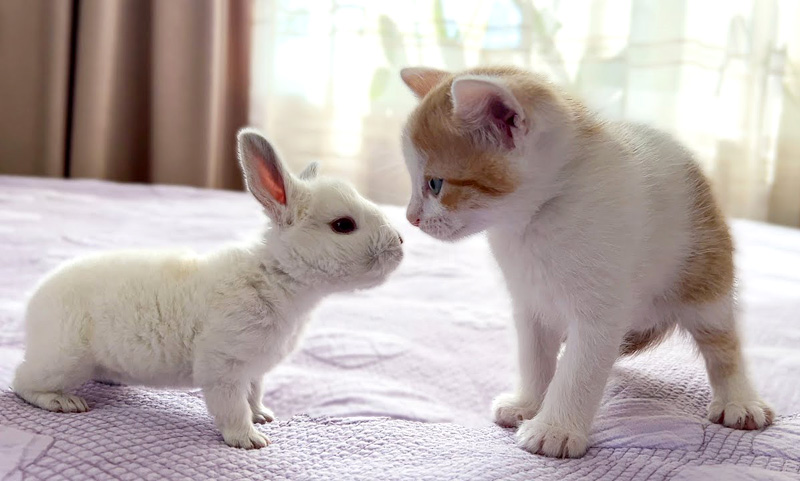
column 343, row 225
column 435, row 185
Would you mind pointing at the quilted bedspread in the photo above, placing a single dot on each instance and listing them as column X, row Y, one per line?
column 390, row 383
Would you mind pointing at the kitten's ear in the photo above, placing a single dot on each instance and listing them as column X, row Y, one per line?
column 422, row 79
column 310, row 172
column 265, row 175
column 486, row 106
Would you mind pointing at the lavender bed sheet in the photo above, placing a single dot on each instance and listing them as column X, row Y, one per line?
column 391, row 383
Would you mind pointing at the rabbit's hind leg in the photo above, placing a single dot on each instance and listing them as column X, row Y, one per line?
column 49, row 371
column 44, row 384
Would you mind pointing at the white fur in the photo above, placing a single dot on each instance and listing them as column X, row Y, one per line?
column 216, row 321
column 589, row 244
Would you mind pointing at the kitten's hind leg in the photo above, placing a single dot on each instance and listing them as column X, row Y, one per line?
column 735, row 403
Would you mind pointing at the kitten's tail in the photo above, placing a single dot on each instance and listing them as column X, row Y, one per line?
column 639, row 341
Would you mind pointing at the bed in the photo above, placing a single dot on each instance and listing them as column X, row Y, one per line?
column 390, row 383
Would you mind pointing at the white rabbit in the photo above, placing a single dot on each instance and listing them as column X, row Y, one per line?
column 217, row 321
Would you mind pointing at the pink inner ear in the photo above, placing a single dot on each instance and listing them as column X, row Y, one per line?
column 481, row 105
column 272, row 181
column 503, row 118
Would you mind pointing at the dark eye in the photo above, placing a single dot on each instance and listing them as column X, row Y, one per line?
column 343, row 225
column 435, row 185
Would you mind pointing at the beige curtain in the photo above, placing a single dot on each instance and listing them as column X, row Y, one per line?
column 34, row 67
column 722, row 76
column 126, row 90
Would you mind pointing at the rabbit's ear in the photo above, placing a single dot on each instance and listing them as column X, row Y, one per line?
column 310, row 172
column 266, row 176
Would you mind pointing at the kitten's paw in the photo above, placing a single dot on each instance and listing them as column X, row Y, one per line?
column 748, row 415
column 263, row 415
column 250, row 439
column 510, row 410
column 552, row 440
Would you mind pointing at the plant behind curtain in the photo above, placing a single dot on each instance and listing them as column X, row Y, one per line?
column 723, row 76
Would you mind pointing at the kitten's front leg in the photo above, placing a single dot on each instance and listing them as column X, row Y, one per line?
column 537, row 351
column 261, row 414
column 561, row 429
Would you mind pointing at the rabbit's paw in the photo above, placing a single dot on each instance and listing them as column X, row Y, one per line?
column 250, row 439
column 263, row 415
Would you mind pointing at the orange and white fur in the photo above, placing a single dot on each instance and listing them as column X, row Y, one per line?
column 607, row 235
column 217, row 321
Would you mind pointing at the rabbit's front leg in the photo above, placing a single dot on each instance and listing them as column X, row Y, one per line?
column 227, row 402
column 261, row 414
column 226, row 391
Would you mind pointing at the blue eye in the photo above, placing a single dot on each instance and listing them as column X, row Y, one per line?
column 435, row 185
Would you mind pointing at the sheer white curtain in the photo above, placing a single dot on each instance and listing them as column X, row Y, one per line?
column 723, row 76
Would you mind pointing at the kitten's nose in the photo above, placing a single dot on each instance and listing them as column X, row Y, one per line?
column 413, row 214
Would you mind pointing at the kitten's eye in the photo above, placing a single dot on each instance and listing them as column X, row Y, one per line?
column 343, row 225
column 435, row 185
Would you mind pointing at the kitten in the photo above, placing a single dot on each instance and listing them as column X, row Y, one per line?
column 607, row 235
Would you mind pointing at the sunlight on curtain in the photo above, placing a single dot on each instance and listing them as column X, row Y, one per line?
column 723, row 76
